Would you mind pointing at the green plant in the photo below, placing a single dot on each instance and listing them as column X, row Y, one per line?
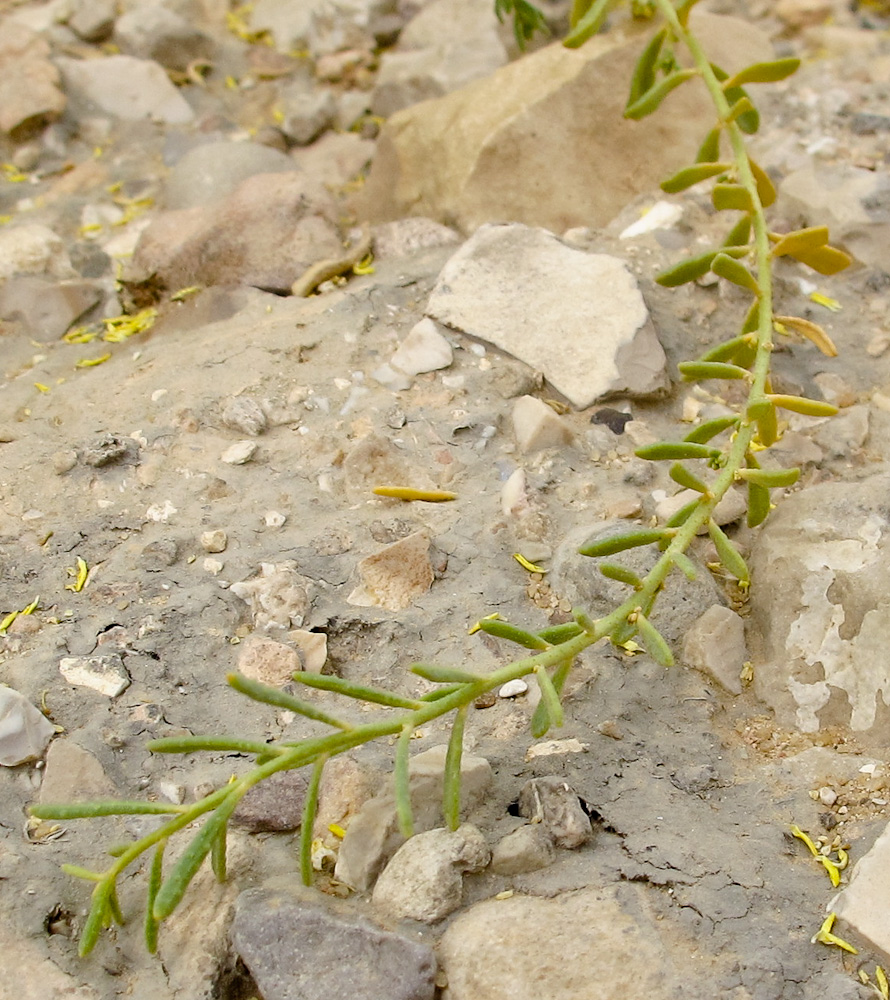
column 726, row 450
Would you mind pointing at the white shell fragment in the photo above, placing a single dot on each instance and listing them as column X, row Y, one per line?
column 512, row 689
column 550, row 747
column 24, row 731
column 105, row 674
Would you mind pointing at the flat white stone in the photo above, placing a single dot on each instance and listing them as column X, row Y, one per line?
column 423, row 350
column 512, row 689
column 24, row 731
column 239, row 453
column 865, row 904
column 105, row 674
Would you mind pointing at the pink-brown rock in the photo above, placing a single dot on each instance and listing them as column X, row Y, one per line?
column 30, row 97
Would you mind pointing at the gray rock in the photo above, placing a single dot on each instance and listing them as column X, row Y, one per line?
column 151, row 31
column 552, row 802
column 266, row 233
column 159, row 554
column 33, row 249
column 844, row 435
column 537, row 425
column 24, row 731
column 864, row 904
column 105, row 674
column 423, row 880
column 286, row 21
column 30, row 97
column 298, row 948
column 716, row 645
column 47, row 308
column 125, row 87
column 817, row 631
column 93, row 20
column 408, row 236
column 307, row 115
column 373, row 836
column 244, row 414
column 73, row 773
column 577, row 578
column 596, row 942
column 551, row 114
column 274, row 805
column 214, row 169
column 109, row 449
column 279, row 596
column 524, row 850
column 578, row 318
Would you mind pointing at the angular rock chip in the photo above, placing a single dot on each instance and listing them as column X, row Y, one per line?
column 396, row 576
column 24, row 731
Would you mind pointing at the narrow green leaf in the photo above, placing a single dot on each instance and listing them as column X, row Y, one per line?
column 451, row 781
column 541, row 718
column 653, row 97
column 443, row 675
column 681, row 475
column 644, row 72
column 749, row 121
column 766, row 190
column 218, row 855
column 98, row 917
column 770, row 478
column 686, row 565
column 618, row 543
column 752, row 319
column 504, row 630
column 155, row 877
column 675, row 451
column 686, row 270
column 710, row 429
column 800, row 404
column 579, row 9
column 683, row 514
column 683, row 8
column 174, row 886
column 725, row 266
column 77, row 872
column 307, row 821
column 377, row 696
column 114, row 908
column 731, row 197
column 584, row 620
column 402, row 782
column 441, row 692
column 269, row 695
column 758, row 504
column 549, row 697
column 709, row 151
column 743, row 106
column 728, row 349
column 696, row 371
column 728, row 554
column 654, row 642
column 621, row 574
column 111, row 807
column 589, row 24
column 555, row 635
column 767, row 425
column 688, row 176
column 763, row 72
column 193, row 744
column 740, row 233
column 800, row 240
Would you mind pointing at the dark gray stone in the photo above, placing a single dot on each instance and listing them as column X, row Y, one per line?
column 296, row 948
column 274, row 805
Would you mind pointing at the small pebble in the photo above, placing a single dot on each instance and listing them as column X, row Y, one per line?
column 239, row 453
column 512, row 689
column 827, row 796
column 64, row 461
column 213, row 566
column 214, row 541
column 274, row 519
column 245, row 415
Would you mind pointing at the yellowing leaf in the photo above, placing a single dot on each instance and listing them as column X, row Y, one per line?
column 763, row 72
column 825, row 301
column 812, row 331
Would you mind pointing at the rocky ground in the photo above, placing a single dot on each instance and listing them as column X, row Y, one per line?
column 245, row 279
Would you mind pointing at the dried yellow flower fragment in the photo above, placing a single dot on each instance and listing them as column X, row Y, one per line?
column 826, row 302
column 824, row 936
column 525, row 564
column 41, row 387
column 81, row 575
column 92, row 362
column 409, row 493
column 475, row 628
column 365, row 265
column 883, row 986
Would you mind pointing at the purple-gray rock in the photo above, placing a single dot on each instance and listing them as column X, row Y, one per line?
column 46, row 308
column 274, row 805
column 298, row 948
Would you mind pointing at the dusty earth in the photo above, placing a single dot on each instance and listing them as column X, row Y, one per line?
column 691, row 790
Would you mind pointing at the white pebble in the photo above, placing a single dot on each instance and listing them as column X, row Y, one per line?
column 239, row 453
column 512, row 689
column 274, row 519
column 827, row 796
column 214, row 541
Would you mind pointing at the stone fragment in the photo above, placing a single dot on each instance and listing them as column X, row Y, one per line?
column 864, row 904
column 430, row 63
column 24, row 731
column 552, row 802
column 716, row 645
column 732, row 506
column 105, row 674
column 819, row 653
column 47, row 308
column 423, row 350
column 423, row 880
column 853, row 202
column 279, row 596
column 548, row 115
column 373, row 836
column 512, row 689
column 312, row 647
column 274, row 805
column 152, row 31
column 33, row 249
column 44, row 977
column 537, row 425
column 550, row 747
column 595, row 942
column 265, row 233
column 244, row 414
column 286, row 21
column 159, row 554
column 267, row 661
column 396, row 576
column 404, row 237
column 307, row 115
column 73, row 773
column 375, row 461
column 108, row 449
column 346, row 785
column 239, row 453
column 578, row 318
column 214, row 169
column 298, row 947
column 524, row 850
column 843, row 435
column 30, row 97
column 214, row 541
column 577, row 579
column 125, row 87
column 93, row 20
